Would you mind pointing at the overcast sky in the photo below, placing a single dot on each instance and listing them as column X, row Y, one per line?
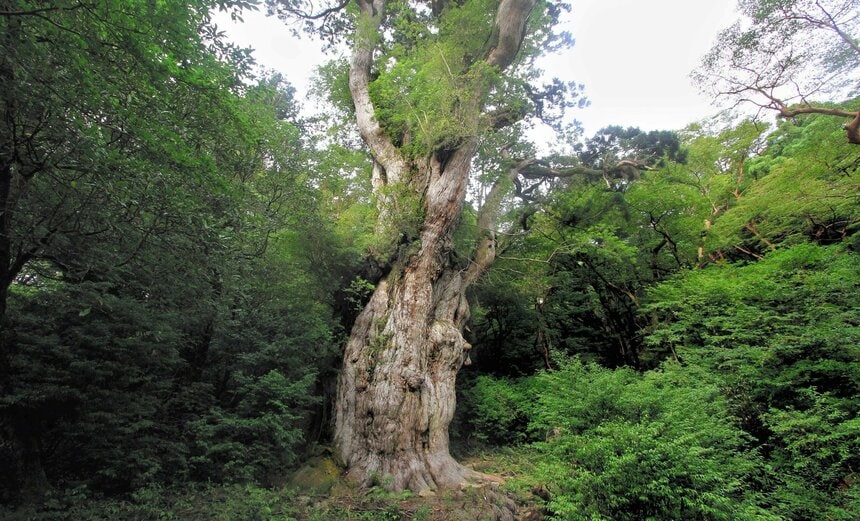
column 634, row 57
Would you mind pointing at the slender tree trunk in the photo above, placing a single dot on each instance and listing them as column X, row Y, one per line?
column 6, row 277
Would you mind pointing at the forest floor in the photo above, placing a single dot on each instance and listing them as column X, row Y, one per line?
column 316, row 492
column 505, row 497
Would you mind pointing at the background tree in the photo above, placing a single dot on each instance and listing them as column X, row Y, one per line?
column 760, row 331
column 598, row 234
column 794, row 189
column 144, row 193
column 789, row 56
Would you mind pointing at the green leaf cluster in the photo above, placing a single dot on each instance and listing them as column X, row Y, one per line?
column 780, row 337
column 614, row 444
column 167, row 302
column 427, row 92
column 803, row 187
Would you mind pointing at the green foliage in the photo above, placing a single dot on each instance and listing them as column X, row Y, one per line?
column 332, row 84
column 155, row 503
column 426, row 98
column 358, row 293
column 816, row 445
column 129, row 389
column 759, row 421
column 786, row 311
column 221, row 502
column 660, row 446
column 432, row 80
column 602, row 243
column 82, row 351
column 504, row 329
column 161, row 325
column 405, row 216
column 781, row 336
column 624, row 470
column 613, row 143
column 257, row 439
column 620, row 445
column 802, row 187
column 498, row 410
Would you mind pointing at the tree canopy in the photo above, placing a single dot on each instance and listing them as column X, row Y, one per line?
column 789, row 56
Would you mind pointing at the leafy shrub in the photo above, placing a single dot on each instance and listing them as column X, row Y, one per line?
column 628, row 446
column 499, row 410
column 616, row 444
column 263, row 436
column 781, row 338
column 156, row 503
column 815, row 449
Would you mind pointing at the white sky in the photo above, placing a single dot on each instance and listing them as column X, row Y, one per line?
column 634, row 57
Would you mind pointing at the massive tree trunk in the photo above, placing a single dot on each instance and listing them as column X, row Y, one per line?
column 396, row 392
column 396, row 395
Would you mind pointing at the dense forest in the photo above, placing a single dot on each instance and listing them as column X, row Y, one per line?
column 218, row 301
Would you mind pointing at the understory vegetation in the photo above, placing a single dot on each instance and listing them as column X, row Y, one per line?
column 744, row 404
column 184, row 253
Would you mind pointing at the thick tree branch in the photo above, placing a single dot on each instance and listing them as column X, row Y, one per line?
column 537, row 169
column 488, row 216
column 509, row 31
column 366, row 37
column 852, row 129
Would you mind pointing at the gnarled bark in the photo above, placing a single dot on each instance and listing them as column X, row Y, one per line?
column 396, row 394
column 396, row 391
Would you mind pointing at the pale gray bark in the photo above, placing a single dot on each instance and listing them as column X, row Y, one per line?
column 396, row 394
